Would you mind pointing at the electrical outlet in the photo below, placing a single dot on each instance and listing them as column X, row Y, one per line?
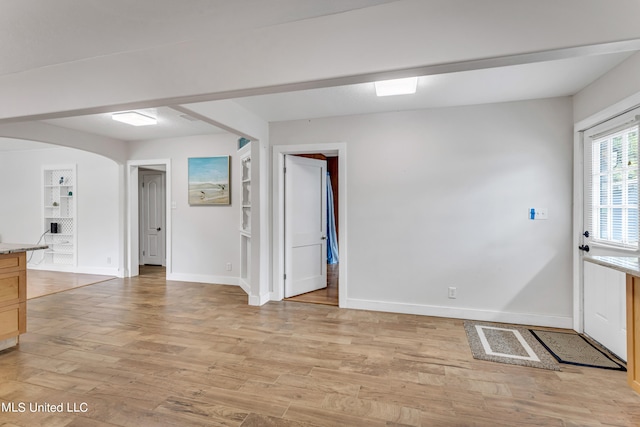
column 228, row 266
column 453, row 292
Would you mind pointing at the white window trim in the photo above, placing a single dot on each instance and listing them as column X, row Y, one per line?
column 595, row 135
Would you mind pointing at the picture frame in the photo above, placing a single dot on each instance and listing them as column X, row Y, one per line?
column 242, row 142
column 209, row 181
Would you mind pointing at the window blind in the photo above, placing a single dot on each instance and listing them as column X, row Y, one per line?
column 613, row 187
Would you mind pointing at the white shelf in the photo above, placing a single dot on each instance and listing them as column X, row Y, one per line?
column 63, row 245
column 59, row 252
column 245, row 218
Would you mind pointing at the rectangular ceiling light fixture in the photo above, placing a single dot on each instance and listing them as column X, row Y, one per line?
column 134, row 118
column 397, row 86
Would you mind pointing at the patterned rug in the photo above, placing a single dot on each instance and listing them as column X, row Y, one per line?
column 574, row 349
column 504, row 343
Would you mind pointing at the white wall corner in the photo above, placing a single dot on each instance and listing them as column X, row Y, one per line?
column 258, row 300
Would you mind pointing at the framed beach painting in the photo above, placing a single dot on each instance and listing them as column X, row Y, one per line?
column 209, row 182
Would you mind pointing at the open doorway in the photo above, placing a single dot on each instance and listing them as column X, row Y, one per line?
column 154, row 212
column 152, row 223
column 328, row 294
column 337, row 272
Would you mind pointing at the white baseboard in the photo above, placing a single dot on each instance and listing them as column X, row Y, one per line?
column 204, row 278
column 52, row 267
column 8, row 343
column 99, row 270
column 245, row 286
column 259, row 300
column 565, row 322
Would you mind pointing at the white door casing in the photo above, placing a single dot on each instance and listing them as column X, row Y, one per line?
column 152, row 218
column 305, row 225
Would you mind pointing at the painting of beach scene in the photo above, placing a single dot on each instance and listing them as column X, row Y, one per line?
column 209, row 181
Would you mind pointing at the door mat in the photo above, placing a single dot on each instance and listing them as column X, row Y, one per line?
column 505, row 343
column 574, row 349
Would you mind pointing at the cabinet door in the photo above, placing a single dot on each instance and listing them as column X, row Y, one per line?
column 13, row 321
column 13, row 287
column 605, row 307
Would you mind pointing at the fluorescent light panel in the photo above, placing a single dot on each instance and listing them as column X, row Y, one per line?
column 397, row 86
column 134, row 118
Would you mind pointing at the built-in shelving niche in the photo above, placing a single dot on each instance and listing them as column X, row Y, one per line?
column 59, row 216
column 245, row 217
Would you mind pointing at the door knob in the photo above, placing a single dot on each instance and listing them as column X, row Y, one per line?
column 158, row 229
column 324, row 237
column 584, row 248
column 585, row 234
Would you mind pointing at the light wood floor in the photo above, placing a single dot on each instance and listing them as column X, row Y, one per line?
column 41, row 282
column 147, row 352
column 328, row 295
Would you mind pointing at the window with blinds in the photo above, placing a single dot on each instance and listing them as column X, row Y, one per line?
column 614, row 187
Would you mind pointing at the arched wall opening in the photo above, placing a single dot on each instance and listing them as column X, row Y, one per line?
column 96, row 200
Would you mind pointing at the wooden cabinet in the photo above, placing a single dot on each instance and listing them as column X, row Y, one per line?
column 13, row 295
column 633, row 332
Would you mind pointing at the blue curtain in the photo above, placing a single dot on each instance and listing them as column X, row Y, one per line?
column 332, row 239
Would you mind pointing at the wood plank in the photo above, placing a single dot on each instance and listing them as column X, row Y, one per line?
column 146, row 351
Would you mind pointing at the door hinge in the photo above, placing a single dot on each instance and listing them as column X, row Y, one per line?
column 284, row 170
column 285, row 277
column 143, row 253
column 142, row 184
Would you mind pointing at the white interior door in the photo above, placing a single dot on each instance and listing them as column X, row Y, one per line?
column 305, row 225
column 152, row 218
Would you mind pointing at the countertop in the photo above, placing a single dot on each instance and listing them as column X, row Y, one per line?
column 626, row 264
column 10, row 248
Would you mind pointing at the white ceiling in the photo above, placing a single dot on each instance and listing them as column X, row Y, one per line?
column 171, row 124
column 518, row 82
column 38, row 33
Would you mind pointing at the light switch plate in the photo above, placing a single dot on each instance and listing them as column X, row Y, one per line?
column 540, row 213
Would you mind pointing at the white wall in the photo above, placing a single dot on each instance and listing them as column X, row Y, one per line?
column 613, row 87
column 439, row 198
column 96, row 195
column 205, row 238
